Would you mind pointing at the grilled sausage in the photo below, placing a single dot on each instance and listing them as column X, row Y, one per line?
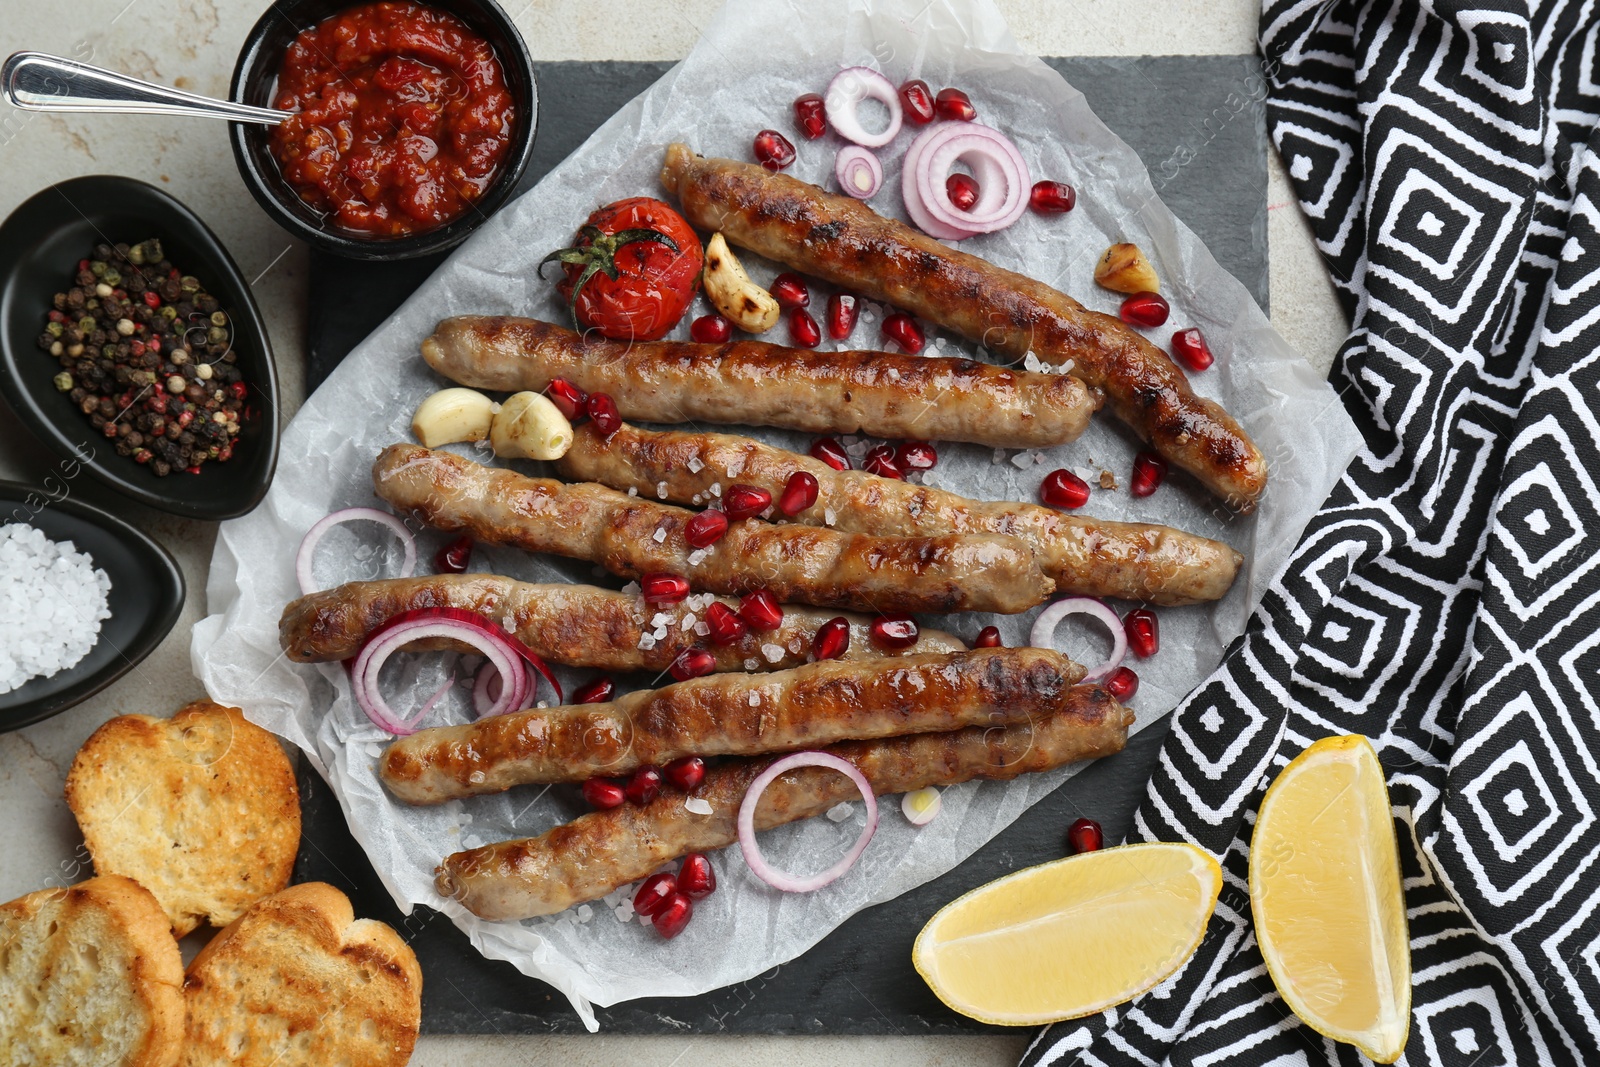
column 598, row 852
column 578, row 625
column 883, row 394
column 631, row 537
column 1091, row 557
column 730, row 715
column 843, row 241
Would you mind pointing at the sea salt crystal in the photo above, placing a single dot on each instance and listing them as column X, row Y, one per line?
column 755, row 699
column 661, row 494
column 1022, row 460
column 688, row 622
column 774, row 653
column 752, row 664
column 999, row 454
column 702, row 629
column 624, row 911
column 698, row 805
column 1031, row 362
column 647, row 641
column 52, row 602
column 633, row 490
column 631, row 589
column 828, row 515
column 695, row 465
column 841, row 811
column 660, row 535
column 661, row 618
column 698, row 556
column 660, row 632
column 585, row 913
column 716, row 489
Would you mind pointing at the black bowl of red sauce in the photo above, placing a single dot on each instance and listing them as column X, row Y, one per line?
column 412, row 121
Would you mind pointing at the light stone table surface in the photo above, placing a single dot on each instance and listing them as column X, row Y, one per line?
column 192, row 44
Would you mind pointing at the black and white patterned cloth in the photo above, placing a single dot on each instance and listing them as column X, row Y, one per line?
column 1446, row 600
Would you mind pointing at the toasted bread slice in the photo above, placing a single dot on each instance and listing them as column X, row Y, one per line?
column 201, row 809
column 297, row 979
column 90, row 976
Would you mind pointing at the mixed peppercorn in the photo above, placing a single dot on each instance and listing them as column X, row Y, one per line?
column 146, row 353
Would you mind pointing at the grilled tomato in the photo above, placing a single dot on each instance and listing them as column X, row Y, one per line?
column 633, row 270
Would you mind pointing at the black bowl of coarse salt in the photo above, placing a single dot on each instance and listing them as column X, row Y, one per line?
column 130, row 344
column 84, row 597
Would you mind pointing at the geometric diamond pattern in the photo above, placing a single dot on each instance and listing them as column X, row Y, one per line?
column 1446, row 599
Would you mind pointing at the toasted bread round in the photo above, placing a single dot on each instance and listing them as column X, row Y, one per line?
column 201, row 809
column 297, row 979
column 89, row 975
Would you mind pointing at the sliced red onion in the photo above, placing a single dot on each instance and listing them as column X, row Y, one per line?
column 1044, row 630
column 747, row 822
column 998, row 167
column 859, row 172
column 308, row 544
column 505, row 654
column 843, row 102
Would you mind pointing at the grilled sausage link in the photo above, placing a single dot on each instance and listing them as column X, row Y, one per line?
column 577, row 625
column 883, row 394
column 598, row 852
column 631, row 537
column 842, row 240
column 730, row 715
column 1090, row 557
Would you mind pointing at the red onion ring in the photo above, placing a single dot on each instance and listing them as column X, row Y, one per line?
column 1044, row 630
column 308, row 544
column 852, row 165
column 843, row 101
column 504, row 653
column 747, row 822
column 998, row 166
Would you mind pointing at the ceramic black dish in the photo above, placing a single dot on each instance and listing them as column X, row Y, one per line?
column 255, row 77
column 146, row 595
column 40, row 246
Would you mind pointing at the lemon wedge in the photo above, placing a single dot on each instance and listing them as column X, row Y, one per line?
column 1325, row 890
column 1072, row 937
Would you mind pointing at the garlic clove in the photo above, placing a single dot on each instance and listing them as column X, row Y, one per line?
column 742, row 301
column 529, row 426
column 1124, row 269
column 453, row 415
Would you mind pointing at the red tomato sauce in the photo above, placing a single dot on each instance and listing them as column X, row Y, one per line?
column 403, row 118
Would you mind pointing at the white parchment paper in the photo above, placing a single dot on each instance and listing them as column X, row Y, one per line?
column 742, row 76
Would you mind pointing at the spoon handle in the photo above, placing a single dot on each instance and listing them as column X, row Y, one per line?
column 35, row 81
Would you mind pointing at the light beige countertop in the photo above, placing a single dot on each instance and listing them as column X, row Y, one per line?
column 192, row 44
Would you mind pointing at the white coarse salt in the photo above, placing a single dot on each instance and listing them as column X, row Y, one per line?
column 647, row 641
column 585, row 913
column 633, row 490
column 660, row 618
column 841, row 811
column 698, row 805
column 695, row 465
column 755, row 698
column 828, row 515
column 698, row 556
column 752, row 664
column 1022, row 460
column 716, row 489
column 688, row 622
column 661, row 490
column 52, row 602
column 702, row 629
column 660, row 535
column 773, row 652
column 631, row 589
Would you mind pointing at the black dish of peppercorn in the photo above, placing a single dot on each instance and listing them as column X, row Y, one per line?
column 131, row 346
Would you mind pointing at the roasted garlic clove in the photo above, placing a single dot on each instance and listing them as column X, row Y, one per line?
column 453, row 415
column 1124, row 269
column 746, row 304
column 530, row 426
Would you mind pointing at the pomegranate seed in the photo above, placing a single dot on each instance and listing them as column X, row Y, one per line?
column 743, row 501
column 658, row 588
column 1145, row 309
column 643, row 786
column 454, row 557
column 1122, row 684
column 686, row 772
column 989, row 637
column 954, row 104
column 705, row 529
column 789, row 290
column 1052, row 198
column 903, row 330
column 654, row 892
column 894, row 631
column 880, row 461
column 916, row 456
column 692, row 663
column 810, row 114
column 1149, row 470
column 726, row 626
column 696, row 879
column 760, row 610
column 830, row 452
column 916, row 101
column 568, row 398
column 603, row 793
column 673, row 916
column 799, row 493
column 598, row 691
column 832, row 640
column 962, row 189
column 711, row 329
column 1084, row 835
column 603, row 410
column 803, row 329
column 773, row 150
column 1144, row 633
column 842, row 308
column 1191, row 349
column 1063, row 489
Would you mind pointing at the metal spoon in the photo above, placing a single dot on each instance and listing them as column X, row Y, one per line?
column 36, row 81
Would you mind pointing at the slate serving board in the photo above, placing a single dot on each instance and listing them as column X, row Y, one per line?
column 1197, row 123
